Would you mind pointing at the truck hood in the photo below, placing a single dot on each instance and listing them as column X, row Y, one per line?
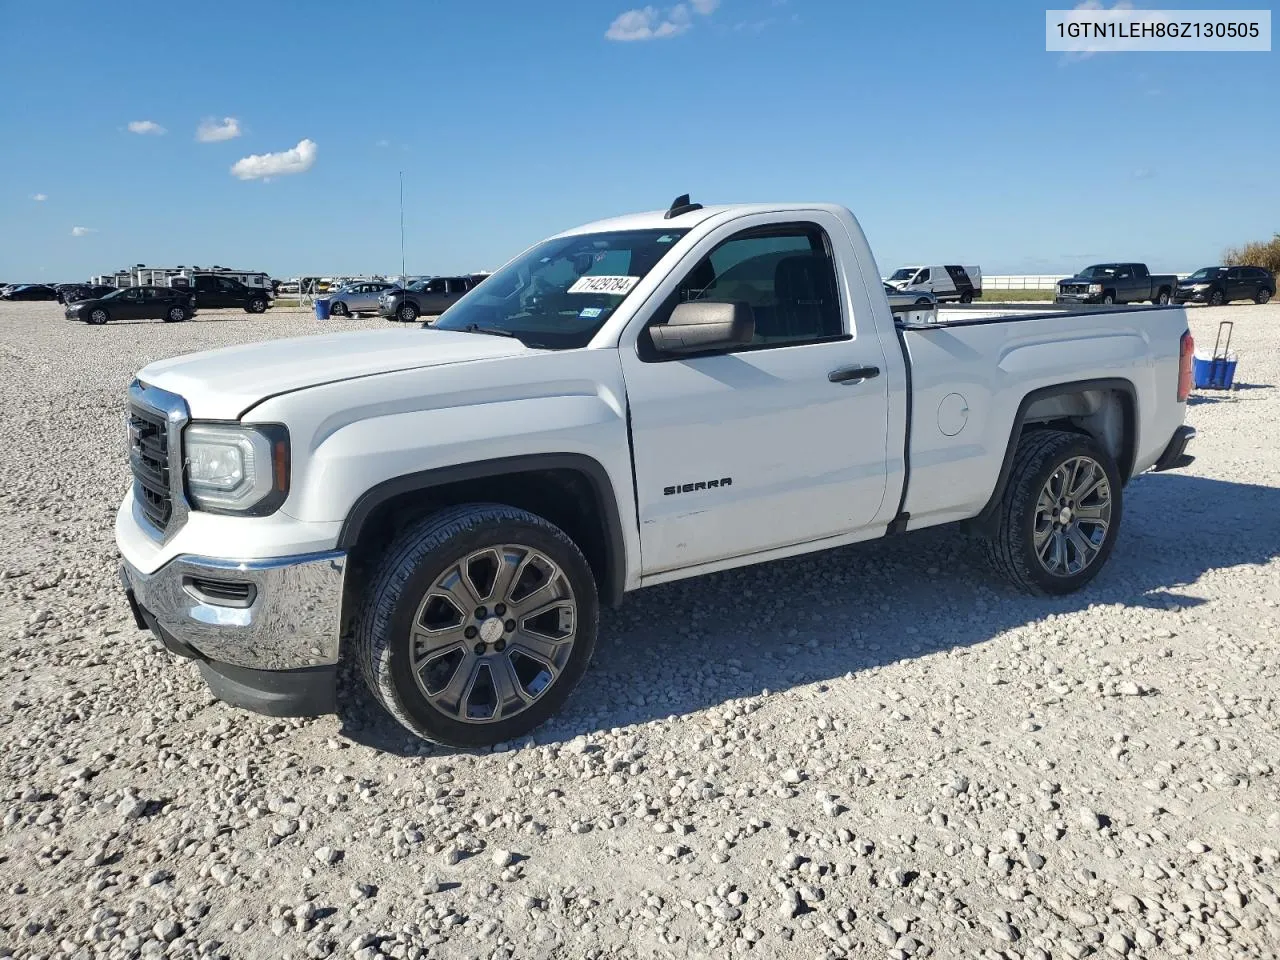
column 224, row 384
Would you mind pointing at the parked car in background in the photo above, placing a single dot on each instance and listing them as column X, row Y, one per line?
column 426, row 298
column 898, row 298
column 170, row 304
column 75, row 292
column 30, row 291
column 1218, row 285
column 1109, row 283
column 357, row 298
column 946, row 282
column 213, row 292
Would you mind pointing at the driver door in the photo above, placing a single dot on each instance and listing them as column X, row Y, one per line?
column 770, row 444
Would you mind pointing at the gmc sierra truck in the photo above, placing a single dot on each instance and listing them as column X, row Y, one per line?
column 628, row 403
column 1108, row 283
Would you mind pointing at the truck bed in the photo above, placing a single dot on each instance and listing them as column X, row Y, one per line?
column 973, row 370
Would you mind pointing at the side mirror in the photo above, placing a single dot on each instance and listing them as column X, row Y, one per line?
column 700, row 326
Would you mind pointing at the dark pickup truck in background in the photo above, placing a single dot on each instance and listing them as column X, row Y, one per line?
column 1117, row 283
column 213, row 292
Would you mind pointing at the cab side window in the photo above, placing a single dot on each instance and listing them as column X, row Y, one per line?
column 784, row 273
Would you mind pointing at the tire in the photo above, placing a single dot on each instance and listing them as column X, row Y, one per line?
column 1263, row 296
column 406, row 589
column 1216, row 299
column 406, row 312
column 339, row 309
column 1162, row 300
column 175, row 315
column 256, row 305
column 966, row 297
column 1108, row 299
column 1011, row 545
column 97, row 317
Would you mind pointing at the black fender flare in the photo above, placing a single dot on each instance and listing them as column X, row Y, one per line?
column 606, row 502
column 1125, row 464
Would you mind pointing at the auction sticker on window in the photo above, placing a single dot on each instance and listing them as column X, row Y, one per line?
column 617, row 286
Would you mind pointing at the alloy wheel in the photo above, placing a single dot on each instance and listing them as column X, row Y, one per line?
column 1073, row 514
column 493, row 633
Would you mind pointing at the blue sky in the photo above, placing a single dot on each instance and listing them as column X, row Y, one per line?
column 946, row 127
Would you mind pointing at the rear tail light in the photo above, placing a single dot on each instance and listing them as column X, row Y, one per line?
column 1187, row 351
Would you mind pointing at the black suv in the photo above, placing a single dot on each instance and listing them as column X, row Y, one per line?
column 170, row 304
column 1218, row 285
column 425, row 298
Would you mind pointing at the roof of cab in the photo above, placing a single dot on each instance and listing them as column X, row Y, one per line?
column 658, row 220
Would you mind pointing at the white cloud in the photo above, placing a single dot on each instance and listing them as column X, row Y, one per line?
column 40, row 197
column 651, row 23
column 260, row 166
column 145, row 127
column 82, row 231
column 211, row 131
column 384, row 143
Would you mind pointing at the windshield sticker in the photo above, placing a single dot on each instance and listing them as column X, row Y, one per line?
column 590, row 313
column 617, row 286
column 665, row 238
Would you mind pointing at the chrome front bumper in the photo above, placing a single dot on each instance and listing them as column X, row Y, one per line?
column 279, row 614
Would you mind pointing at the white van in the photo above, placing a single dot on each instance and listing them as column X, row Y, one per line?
column 944, row 282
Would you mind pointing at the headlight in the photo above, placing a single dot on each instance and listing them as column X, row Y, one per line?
column 1095, row 288
column 1200, row 286
column 232, row 468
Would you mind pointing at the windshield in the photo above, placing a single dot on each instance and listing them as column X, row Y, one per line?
column 1098, row 271
column 906, row 273
column 558, row 294
column 116, row 293
column 1204, row 273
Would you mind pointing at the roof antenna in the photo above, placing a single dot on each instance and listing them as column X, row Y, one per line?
column 681, row 205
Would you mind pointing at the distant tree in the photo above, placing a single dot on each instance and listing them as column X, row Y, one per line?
column 1256, row 254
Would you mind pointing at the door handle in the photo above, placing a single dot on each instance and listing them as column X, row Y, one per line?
column 853, row 374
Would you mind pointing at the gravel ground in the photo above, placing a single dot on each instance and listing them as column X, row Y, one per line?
column 878, row 752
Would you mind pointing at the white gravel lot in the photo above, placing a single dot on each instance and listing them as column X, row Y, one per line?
column 877, row 752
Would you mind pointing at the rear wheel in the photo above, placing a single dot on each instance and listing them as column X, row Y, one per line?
column 256, row 305
column 175, row 315
column 1162, row 299
column 1058, row 520
column 966, row 297
column 407, row 313
column 98, row 316
column 1263, row 295
column 478, row 624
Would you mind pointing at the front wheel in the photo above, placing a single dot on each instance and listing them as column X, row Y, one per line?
column 407, row 313
column 1216, row 299
column 478, row 624
column 97, row 316
column 1108, row 299
column 1057, row 523
column 338, row 309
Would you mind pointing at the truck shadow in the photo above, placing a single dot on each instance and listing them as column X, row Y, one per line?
column 687, row 646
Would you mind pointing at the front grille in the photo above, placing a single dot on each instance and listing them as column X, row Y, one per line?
column 149, row 459
column 1074, row 289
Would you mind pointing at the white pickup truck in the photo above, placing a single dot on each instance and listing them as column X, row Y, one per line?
column 628, row 403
